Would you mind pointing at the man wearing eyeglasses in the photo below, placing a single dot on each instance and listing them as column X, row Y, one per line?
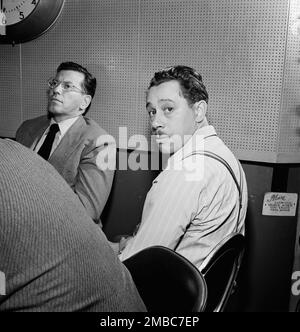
column 74, row 144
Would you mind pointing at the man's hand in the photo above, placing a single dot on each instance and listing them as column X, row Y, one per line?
column 123, row 242
column 115, row 247
column 118, row 247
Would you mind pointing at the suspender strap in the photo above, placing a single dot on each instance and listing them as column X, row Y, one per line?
column 224, row 162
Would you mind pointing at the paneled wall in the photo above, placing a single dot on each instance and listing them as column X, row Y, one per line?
column 247, row 52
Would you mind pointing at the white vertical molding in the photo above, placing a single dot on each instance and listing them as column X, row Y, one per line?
column 283, row 78
column 138, row 55
column 295, row 277
column 2, row 284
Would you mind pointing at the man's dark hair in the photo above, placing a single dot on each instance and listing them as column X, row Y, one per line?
column 190, row 81
column 89, row 83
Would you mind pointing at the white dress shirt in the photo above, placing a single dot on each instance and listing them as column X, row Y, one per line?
column 64, row 126
column 194, row 202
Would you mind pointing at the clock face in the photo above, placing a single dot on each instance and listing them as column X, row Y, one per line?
column 14, row 11
column 24, row 20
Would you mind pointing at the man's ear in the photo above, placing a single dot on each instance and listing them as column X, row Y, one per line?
column 200, row 109
column 86, row 100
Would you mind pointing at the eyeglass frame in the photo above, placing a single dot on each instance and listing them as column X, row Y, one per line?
column 62, row 83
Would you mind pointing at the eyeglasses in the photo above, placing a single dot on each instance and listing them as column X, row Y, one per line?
column 66, row 86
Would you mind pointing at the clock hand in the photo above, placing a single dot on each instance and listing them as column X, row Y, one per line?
column 1, row 5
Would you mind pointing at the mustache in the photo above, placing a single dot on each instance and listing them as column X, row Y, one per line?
column 55, row 98
column 158, row 132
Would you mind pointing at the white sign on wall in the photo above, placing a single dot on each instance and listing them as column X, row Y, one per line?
column 280, row 204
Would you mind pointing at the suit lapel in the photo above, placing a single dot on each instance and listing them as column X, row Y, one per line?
column 36, row 132
column 68, row 144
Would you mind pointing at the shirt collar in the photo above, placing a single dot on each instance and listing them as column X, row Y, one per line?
column 196, row 142
column 65, row 125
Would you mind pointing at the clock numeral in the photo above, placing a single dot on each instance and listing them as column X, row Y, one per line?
column 21, row 15
column 33, row 2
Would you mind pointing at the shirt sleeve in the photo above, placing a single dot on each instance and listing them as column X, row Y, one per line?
column 188, row 214
column 217, row 217
column 167, row 212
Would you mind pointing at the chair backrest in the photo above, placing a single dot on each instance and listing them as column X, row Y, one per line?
column 167, row 281
column 220, row 271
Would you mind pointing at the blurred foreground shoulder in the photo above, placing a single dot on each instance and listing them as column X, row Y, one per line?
column 53, row 256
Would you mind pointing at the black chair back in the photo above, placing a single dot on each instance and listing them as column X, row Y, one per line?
column 167, row 281
column 220, row 271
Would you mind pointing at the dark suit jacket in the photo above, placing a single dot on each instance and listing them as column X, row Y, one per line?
column 79, row 158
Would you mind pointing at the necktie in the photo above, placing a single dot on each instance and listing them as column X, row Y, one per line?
column 46, row 147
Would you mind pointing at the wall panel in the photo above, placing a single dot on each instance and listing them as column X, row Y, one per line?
column 101, row 35
column 10, row 90
column 247, row 52
column 289, row 128
column 238, row 47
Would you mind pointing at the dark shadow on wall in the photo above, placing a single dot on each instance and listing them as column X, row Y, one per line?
column 124, row 208
column 265, row 275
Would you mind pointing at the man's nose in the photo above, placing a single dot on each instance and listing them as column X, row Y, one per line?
column 57, row 89
column 157, row 122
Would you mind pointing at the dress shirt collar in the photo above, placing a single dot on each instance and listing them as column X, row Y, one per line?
column 196, row 142
column 65, row 125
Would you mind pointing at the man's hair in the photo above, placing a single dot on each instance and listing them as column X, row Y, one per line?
column 190, row 81
column 89, row 83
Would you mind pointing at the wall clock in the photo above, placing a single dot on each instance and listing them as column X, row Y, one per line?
column 24, row 20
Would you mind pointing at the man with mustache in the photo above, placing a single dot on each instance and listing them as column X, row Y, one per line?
column 74, row 144
column 201, row 195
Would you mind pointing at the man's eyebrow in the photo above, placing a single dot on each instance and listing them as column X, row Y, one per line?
column 161, row 101
column 166, row 100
